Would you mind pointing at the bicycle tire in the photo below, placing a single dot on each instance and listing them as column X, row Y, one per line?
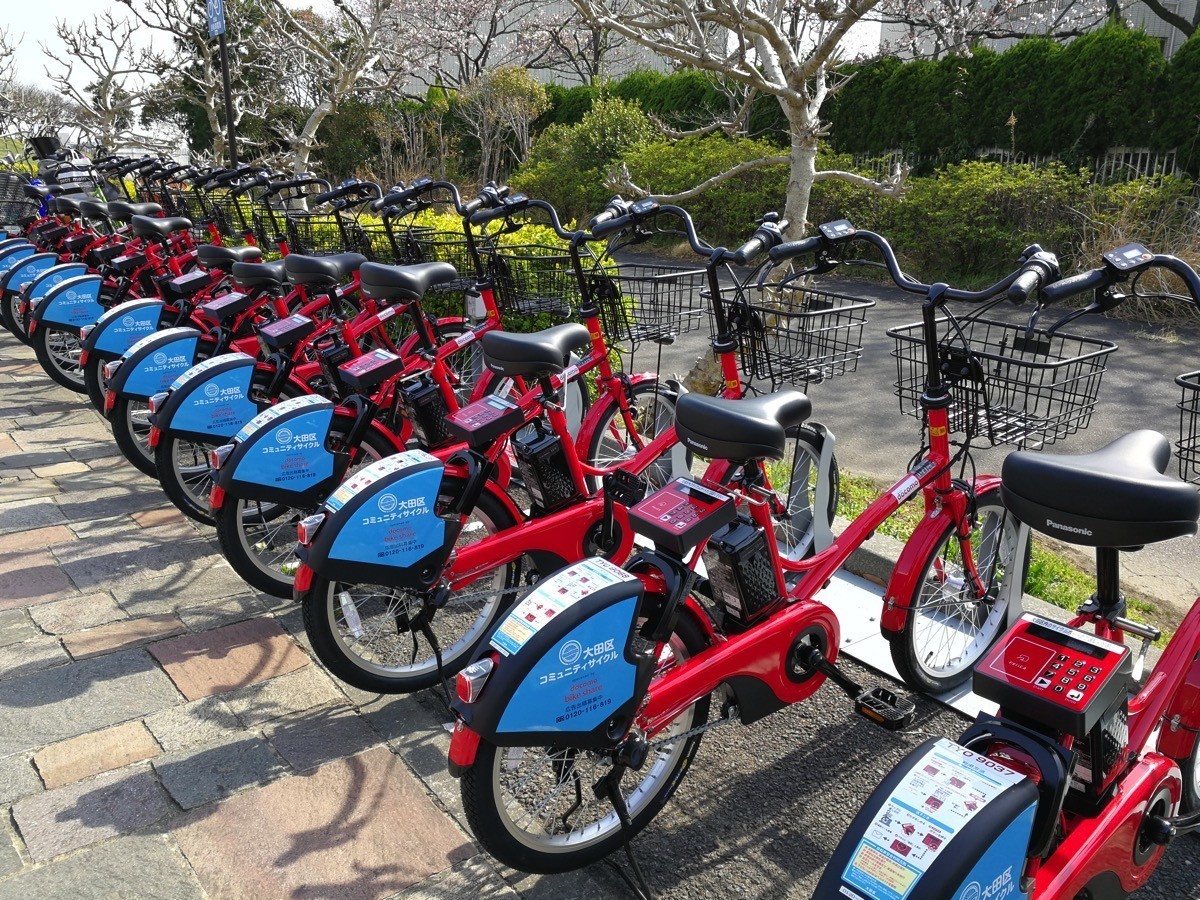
column 133, row 437
column 1190, row 769
column 941, row 587
column 231, row 521
column 190, row 496
column 11, row 318
column 611, row 445
column 53, row 359
column 330, row 623
column 487, row 812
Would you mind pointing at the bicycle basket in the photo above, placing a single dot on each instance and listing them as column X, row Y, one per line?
column 14, row 205
column 797, row 335
column 314, row 234
column 641, row 303
column 373, row 240
column 1189, row 427
column 422, row 244
column 532, row 278
column 1009, row 386
column 232, row 216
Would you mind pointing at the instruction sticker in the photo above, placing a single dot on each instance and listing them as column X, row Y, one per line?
column 368, row 475
column 552, row 595
column 939, row 795
column 278, row 410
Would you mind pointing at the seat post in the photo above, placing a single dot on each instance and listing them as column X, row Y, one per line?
column 1108, row 601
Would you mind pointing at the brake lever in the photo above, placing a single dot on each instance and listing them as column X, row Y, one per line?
column 1105, row 300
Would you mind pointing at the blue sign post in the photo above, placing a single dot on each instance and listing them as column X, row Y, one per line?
column 215, row 11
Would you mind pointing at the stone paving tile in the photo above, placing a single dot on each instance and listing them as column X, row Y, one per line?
column 86, row 812
column 307, row 740
column 12, row 491
column 205, row 721
column 304, row 689
column 50, row 706
column 163, row 874
column 228, row 657
column 38, row 538
column 110, row 500
column 41, row 652
column 94, row 563
column 18, row 778
column 98, row 450
column 24, row 515
column 175, row 587
column 205, row 616
column 76, row 613
column 90, row 754
column 34, row 437
column 8, row 447
column 37, row 459
column 149, row 518
column 29, row 578
column 10, row 859
column 329, row 833
column 474, row 878
column 15, row 626
column 196, row 777
column 70, row 467
column 121, row 635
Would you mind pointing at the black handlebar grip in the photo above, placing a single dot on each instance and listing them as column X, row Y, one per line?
column 1075, row 284
column 1025, row 284
column 610, row 226
column 606, row 215
column 325, row 196
column 747, row 251
column 483, row 216
column 796, row 248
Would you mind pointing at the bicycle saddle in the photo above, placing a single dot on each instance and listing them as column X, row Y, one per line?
column 259, row 274
column 533, row 355
column 67, row 203
column 211, row 256
column 93, row 209
column 1116, row 496
column 403, row 282
column 739, row 429
column 162, row 229
column 322, row 271
column 35, row 191
column 121, row 211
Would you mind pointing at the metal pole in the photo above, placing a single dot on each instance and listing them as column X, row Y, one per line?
column 229, row 128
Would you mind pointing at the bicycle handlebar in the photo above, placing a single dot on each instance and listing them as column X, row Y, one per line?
column 294, row 184
column 1109, row 274
column 352, row 192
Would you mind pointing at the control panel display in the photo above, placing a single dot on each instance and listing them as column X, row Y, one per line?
column 1128, row 257
column 370, row 369
column 481, row 422
column 839, row 229
column 682, row 514
column 1056, row 675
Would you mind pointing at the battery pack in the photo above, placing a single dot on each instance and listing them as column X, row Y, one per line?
column 740, row 571
column 544, row 470
column 426, row 410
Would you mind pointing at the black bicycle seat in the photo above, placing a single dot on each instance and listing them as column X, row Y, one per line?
column 148, row 227
column 739, row 429
column 403, row 282
column 324, row 271
column 535, row 355
column 254, row 274
column 211, row 256
column 1116, row 496
column 123, row 212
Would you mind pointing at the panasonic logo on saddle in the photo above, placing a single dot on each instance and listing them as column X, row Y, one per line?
column 697, row 444
column 1050, row 523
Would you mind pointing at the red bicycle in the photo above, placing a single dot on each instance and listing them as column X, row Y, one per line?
column 1077, row 785
column 601, row 671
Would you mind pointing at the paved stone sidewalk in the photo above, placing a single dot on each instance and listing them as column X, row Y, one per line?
column 164, row 729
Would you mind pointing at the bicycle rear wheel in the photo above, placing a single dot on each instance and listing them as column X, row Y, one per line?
column 949, row 627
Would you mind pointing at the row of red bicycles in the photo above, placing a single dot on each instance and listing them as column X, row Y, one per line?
column 455, row 467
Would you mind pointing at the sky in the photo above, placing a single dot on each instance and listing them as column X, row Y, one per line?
column 33, row 24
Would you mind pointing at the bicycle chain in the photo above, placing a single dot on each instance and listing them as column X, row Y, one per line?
column 699, row 729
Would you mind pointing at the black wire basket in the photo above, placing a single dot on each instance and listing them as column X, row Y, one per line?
column 640, row 303
column 530, row 279
column 418, row 243
column 796, row 334
column 314, row 233
column 374, row 241
column 1009, row 386
column 14, row 205
column 233, row 216
column 1189, row 427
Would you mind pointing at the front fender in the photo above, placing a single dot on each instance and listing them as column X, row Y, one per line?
column 903, row 584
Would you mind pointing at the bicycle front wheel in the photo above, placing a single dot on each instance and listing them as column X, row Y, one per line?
column 950, row 625
column 614, row 441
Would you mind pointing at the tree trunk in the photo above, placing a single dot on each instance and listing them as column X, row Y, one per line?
column 802, row 169
column 307, row 139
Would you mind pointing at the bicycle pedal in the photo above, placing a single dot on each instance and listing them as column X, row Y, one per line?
column 624, row 488
column 886, row 708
